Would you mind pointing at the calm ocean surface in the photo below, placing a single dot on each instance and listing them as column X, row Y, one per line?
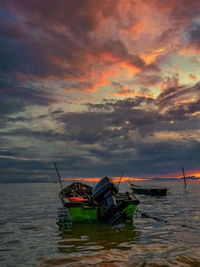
column 30, row 236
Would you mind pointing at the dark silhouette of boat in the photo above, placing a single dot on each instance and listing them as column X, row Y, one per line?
column 136, row 189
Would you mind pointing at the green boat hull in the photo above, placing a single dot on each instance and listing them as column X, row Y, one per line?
column 92, row 214
column 81, row 206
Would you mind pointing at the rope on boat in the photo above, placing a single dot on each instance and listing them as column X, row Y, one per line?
column 144, row 215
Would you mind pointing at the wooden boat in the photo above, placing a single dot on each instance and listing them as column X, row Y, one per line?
column 148, row 191
column 101, row 203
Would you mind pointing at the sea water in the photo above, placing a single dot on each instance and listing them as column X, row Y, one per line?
column 30, row 233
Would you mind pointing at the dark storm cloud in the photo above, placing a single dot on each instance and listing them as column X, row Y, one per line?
column 184, row 112
column 181, row 15
column 52, row 41
column 48, row 31
column 194, row 34
column 182, row 95
column 14, row 169
column 5, row 114
column 16, row 95
column 147, row 80
column 30, row 53
column 35, row 95
column 136, row 157
column 79, row 16
column 15, row 98
column 18, row 50
column 110, row 105
column 10, row 106
column 46, row 34
column 109, row 138
column 115, row 119
column 111, row 161
column 108, row 120
column 166, row 155
column 118, row 49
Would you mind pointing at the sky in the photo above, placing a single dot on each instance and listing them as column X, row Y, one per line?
column 99, row 87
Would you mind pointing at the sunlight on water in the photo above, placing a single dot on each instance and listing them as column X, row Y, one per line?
column 34, row 230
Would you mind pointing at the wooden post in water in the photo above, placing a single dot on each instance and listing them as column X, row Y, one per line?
column 184, row 176
column 58, row 175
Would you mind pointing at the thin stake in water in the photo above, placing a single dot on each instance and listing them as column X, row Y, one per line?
column 58, row 175
column 184, row 176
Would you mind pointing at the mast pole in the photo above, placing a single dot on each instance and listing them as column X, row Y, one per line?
column 58, row 175
column 120, row 179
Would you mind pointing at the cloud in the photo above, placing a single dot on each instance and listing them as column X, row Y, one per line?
column 180, row 96
column 63, row 62
column 105, row 139
column 120, row 51
column 193, row 34
column 48, row 41
column 147, row 80
column 125, row 92
column 46, row 31
column 192, row 77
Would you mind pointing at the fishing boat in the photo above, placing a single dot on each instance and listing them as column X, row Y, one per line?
column 103, row 202
column 136, row 189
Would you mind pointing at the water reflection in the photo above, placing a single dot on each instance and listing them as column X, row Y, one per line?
column 95, row 236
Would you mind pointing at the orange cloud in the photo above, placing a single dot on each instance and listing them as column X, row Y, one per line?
column 138, row 27
column 192, row 77
column 125, row 88
column 134, row 31
column 101, row 79
column 126, row 92
column 190, row 50
column 119, row 62
column 177, row 174
column 151, row 56
column 165, row 6
column 131, row 69
column 100, row 57
column 195, row 173
column 125, row 179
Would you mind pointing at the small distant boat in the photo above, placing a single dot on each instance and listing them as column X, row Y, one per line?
column 100, row 203
column 147, row 191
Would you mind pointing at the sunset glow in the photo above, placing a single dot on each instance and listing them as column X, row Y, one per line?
column 170, row 176
column 115, row 179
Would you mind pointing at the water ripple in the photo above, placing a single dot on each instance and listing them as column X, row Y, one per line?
column 30, row 235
